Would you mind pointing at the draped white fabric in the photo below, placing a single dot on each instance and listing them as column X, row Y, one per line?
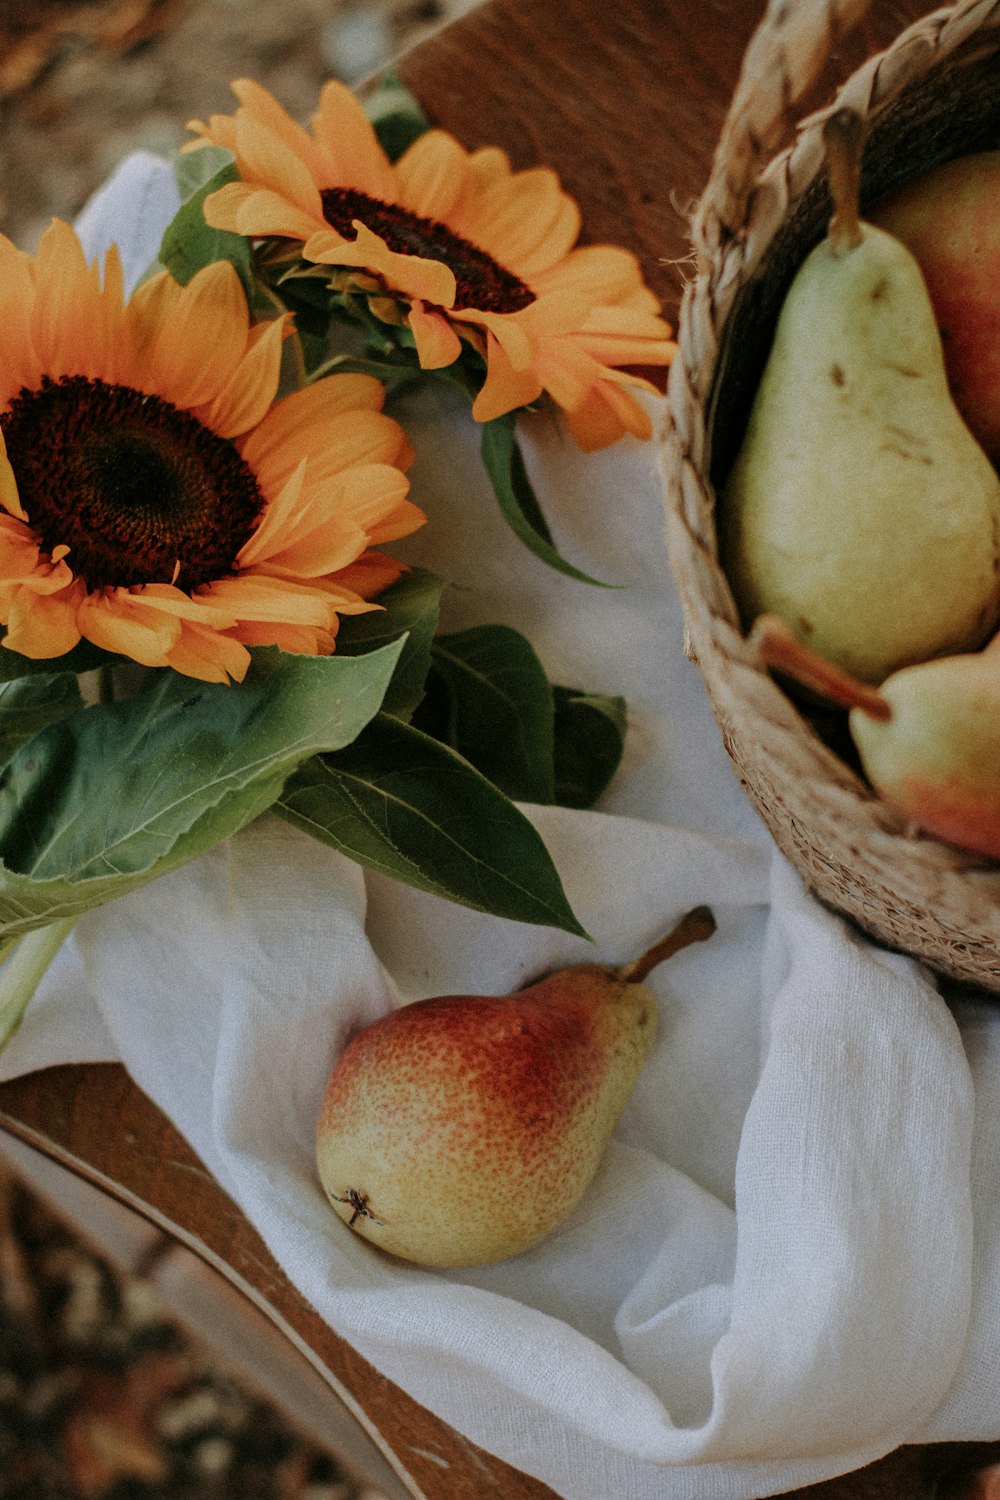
column 789, row 1261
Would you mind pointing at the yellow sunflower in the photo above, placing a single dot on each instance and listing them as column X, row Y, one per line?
column 473, row 250
column 154, row 498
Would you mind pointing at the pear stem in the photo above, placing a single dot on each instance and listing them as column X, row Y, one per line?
column 775, row 645
column 843, row 136
column 695, row 927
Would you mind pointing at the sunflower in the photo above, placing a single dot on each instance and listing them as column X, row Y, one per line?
column 470, row 251
column 155, row 499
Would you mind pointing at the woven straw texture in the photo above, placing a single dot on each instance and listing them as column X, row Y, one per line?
column 931, row 96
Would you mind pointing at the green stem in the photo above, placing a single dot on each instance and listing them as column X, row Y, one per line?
column 23, row 971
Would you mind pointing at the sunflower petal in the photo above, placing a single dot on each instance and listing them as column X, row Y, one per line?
column 432, row 174
column 208, row 655
column 193, row 338
column 437, row 342
column 42, row 632
column 504, row 388
column 412, row 275
column 352, row 156
column 67, row 326
column 9, row 497
column 245, row 400
column 262, row 106
column 20, row 365
column 110, row 619
column 608, row 412
column 243, row 208
column 525, row 221
column 264, row 159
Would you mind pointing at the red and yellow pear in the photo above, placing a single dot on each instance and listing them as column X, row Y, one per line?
column 463, row 1129
column 949, row 219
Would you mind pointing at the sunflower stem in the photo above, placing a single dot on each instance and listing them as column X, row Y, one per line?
column 21, row 974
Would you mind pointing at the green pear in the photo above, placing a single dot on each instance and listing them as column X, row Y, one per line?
column 860, row 508
column 928, row 737
column 463, row 1129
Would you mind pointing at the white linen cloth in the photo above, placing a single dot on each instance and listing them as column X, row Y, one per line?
column 789, row 1261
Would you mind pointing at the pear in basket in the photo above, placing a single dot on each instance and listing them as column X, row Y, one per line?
column 950, row 219
column 928, row 738
column 462, row 1129
column 860, row 508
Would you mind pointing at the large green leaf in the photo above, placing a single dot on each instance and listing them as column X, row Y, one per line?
column 114, row 795
column 408, row 607
column 399, row 802
column 489, row 699
column 29, row 704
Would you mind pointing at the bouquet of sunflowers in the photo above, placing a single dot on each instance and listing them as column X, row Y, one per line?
column 199, row 483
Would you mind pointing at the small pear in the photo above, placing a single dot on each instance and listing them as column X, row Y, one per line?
column 462, row 1129
column 860, row 508
column 928, row 738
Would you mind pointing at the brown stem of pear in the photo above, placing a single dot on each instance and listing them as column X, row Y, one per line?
column 695, row 927
column 843, row 136
column 777, row 647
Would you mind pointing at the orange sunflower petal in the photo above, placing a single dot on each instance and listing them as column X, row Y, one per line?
column 608, row 412
column 170, row 321
column 41, row 631
column 432, row 175
column 246, row 399
column 352, row 156
column 412, row 275
column 437, row 342
column 526, row 221
column 262, row 106
column 20, row 365
column 208, row 655
column 111, row 619
column 504, row 388
column 266, row 159
column 243, row 208
column 370, row 573
column 68, row 326
column 9, row 497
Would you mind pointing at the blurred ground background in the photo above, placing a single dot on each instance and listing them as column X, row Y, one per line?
column 83, row 82
column 104, row 1393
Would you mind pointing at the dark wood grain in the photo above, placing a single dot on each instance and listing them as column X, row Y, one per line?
column 625, row 101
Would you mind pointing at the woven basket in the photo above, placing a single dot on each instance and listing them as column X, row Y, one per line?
column 934, row 94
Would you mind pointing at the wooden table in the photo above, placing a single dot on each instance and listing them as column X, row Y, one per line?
column 625, row 101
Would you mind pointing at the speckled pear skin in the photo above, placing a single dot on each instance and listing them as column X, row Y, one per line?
column 463, row 1129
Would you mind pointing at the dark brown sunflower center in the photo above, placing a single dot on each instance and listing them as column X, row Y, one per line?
column 132, row 485
column 481, row 281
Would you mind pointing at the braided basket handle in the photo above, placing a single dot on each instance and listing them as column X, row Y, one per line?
column 784, row 58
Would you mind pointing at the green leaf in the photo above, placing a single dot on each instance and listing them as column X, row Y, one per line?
column 29, row 704
column 399, row 802
column 396, row 116
column 110, row 797
column 410, row 609
column 188, row 243
column 518, row 501
column 589, row 742
column 490, row 700
column 83, row 658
